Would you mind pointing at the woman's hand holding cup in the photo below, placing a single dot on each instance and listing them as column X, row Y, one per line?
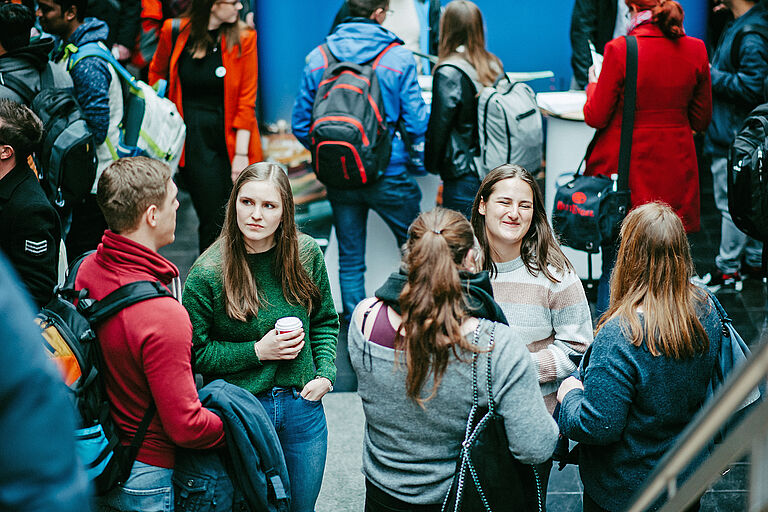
column 280, row 345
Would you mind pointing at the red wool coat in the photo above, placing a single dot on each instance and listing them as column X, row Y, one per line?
column 674, row 98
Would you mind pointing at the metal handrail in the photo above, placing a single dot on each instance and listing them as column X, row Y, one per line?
column 699, row 434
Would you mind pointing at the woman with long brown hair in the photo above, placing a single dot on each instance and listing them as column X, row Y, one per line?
column 211, row 66
column 452, row 142
column 411, row 347
column 533, row 281
column 649, row 367
column 261, row 269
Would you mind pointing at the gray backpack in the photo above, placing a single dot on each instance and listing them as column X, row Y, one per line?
column 508, row 122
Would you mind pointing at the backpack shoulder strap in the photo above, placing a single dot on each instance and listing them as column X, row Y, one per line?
column 26, row 93
column 127, row 295
column 465, row 67
column 760, row 30
column 328, row 56
column 95, row 49
column 383, row 52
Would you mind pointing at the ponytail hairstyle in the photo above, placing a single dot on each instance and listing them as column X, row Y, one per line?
column 432, row 301
column 241, row 295
column 461, row 24
column 653, row 272
column 667, row 14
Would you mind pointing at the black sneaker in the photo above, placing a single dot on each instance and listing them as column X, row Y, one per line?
column 753, row 272
column 716, row 281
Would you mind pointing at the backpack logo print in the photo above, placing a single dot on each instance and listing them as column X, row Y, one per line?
column 579, row 198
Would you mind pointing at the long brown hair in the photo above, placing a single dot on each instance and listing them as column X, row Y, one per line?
column 462, row 24
column 240, row 292
column 653, row 271
column 539, row 248
column 432, row 302
column 200, row 41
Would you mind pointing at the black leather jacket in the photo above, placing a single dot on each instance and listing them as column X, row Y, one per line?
column 452, row 140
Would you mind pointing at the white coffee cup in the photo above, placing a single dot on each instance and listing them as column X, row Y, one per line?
column 288, row 324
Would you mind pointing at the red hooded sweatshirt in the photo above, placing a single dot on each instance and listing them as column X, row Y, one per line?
column 147, row 352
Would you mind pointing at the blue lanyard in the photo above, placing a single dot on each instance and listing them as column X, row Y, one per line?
column 422, row 10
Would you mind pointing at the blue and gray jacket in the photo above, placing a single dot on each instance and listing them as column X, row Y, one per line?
column 737, row 87
column 360, row 41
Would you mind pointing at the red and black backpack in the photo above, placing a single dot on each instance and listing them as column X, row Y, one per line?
column 349, row 137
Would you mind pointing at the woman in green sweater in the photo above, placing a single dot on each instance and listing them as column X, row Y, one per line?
column 258, row 271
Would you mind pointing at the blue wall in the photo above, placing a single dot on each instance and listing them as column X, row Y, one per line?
column 527, row 35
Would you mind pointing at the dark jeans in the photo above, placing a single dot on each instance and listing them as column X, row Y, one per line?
column 377, row 500
column 397, row 201
column 459, row 193
column 608, row 255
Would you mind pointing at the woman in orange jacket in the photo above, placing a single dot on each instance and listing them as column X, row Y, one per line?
column 212, row 69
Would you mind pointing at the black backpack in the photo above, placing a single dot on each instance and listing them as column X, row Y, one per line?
column 748, row 178
column 349, row 137
column 66, row 161
column 70, row 340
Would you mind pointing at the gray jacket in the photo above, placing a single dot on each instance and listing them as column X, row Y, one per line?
column 410, row 452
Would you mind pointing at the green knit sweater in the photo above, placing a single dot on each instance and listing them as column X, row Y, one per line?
column 223, row 347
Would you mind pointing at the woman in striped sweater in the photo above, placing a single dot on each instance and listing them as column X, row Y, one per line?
column 533, row 281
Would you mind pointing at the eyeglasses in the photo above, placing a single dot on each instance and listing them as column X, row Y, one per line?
column 229, row 2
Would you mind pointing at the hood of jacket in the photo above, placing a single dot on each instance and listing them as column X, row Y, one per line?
column 92, row 30
column 359, row 40
column 33, row 56
column 123, row 255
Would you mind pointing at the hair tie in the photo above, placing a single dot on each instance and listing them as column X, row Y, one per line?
column 437, row 232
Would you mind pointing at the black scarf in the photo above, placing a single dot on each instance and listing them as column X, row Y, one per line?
column 477, row 289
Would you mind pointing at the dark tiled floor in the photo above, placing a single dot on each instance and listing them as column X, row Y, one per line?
column 749, row 310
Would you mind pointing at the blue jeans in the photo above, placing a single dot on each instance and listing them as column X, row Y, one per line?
column 459, row 193
column 397, row 201
column 303, row 434
column 148, row 489
column 733, row 243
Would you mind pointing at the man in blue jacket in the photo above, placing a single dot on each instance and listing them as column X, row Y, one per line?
column 396, row 196
column 737, row 88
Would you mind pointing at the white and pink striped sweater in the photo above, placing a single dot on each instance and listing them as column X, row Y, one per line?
column 553, row 318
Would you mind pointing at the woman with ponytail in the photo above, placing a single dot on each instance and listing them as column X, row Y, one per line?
column 411, row 347
column 674, row 99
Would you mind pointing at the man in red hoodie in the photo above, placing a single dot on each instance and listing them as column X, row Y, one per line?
column 147, row 346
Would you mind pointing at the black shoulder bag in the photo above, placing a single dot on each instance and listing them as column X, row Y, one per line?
column 588, row 210
column 488, row 477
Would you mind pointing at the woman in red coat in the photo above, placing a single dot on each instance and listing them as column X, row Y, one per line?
column 674, row 99
column 212, row 71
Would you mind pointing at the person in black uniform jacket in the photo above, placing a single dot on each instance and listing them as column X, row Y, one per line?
column 592, row 20
column 29, row 226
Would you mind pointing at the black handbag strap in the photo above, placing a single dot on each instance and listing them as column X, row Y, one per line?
column 628, row 119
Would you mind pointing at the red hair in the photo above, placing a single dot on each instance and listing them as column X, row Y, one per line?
column 667, row 14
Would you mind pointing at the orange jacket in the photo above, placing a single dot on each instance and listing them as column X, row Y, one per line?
column 241, row 65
